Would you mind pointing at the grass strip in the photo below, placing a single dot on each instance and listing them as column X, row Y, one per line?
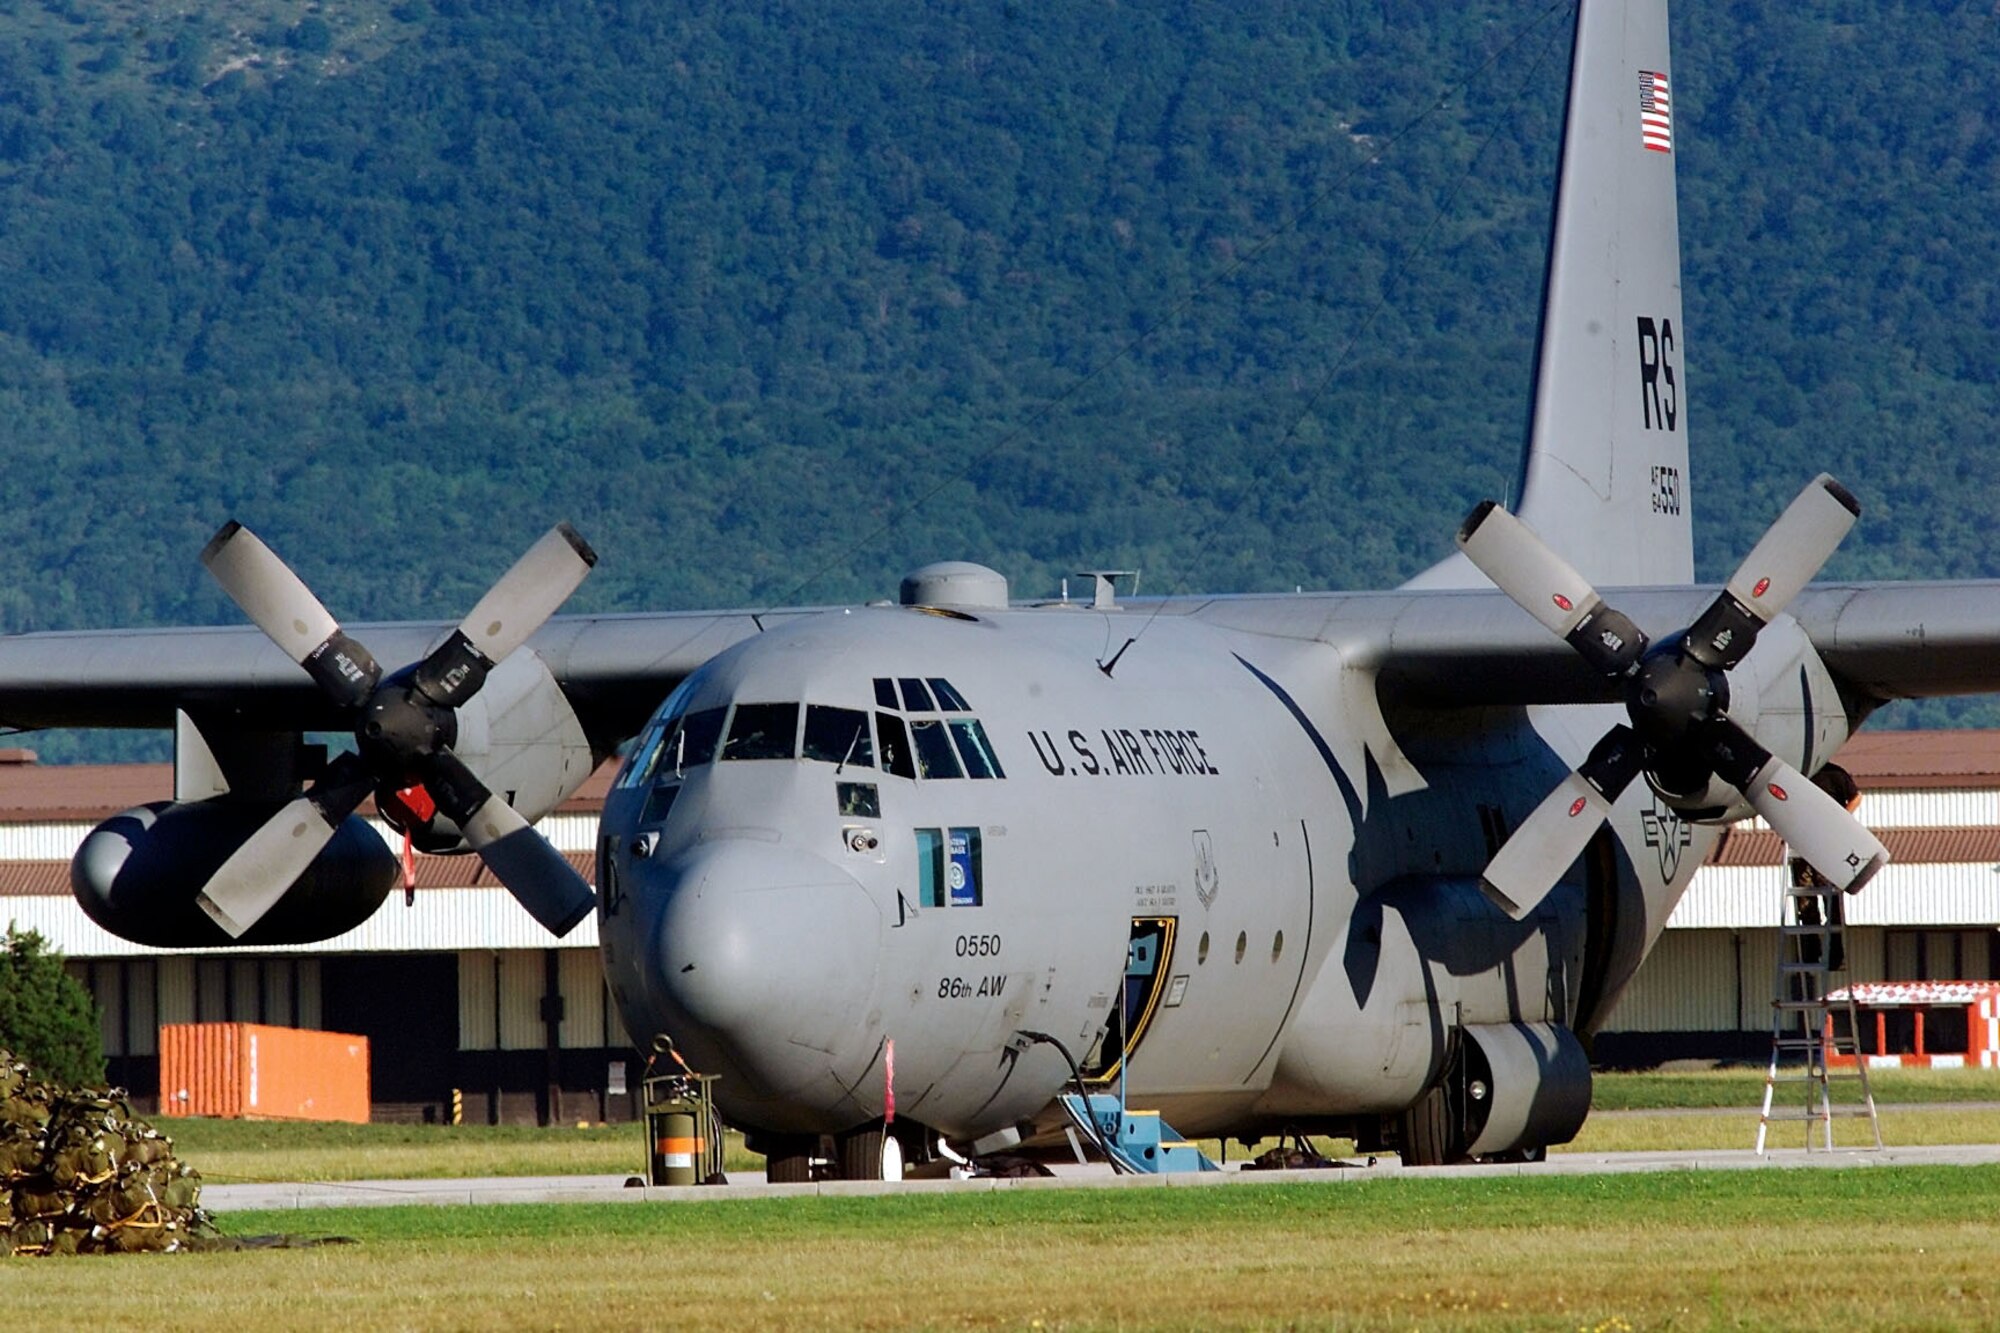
column 1743, row 1086
column 1884, row 1247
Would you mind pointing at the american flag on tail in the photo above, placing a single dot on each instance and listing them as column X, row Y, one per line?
column 1656, row 112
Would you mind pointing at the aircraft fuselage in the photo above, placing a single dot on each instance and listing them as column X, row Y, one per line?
column 949, row 829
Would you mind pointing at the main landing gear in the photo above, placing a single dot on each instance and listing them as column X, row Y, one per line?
column 867, row 1152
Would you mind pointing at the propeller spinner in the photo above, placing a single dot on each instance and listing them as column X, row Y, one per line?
column 1676, row 695
column 404, row 726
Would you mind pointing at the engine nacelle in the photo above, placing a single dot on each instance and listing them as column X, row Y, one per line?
column 1526, row 1085
column 522, row 738
column 137, row 875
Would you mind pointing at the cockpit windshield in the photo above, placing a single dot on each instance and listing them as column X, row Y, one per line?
column 838, row 736
column 677, row 739
column 763, row 731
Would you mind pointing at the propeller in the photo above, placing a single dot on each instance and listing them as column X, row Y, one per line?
column 1676, row 696
column 404, row 727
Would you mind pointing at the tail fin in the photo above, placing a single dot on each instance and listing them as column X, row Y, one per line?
column 1605, row 477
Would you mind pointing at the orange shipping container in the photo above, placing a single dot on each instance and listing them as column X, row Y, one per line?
column 244, row 1071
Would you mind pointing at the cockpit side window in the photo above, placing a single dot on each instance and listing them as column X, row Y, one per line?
column 935, row 758
column 896, row 759
column 838, row 736
column 645, row 757
column 695, row 742
column 949, row 700
column 763, row 731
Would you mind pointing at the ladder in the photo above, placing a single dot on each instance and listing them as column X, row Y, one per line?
column 1806, row 1026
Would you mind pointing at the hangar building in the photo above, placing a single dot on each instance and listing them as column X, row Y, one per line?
column 472, row 1010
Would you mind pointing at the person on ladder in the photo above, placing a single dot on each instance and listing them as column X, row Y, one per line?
column 1838, row 783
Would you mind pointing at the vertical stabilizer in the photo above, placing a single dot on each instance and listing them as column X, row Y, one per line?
column 1605, row 477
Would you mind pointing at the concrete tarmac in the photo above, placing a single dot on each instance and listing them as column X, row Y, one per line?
column 612, row 1189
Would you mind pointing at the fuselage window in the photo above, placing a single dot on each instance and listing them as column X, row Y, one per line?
column 838, row 736
column 916, row 699
column 949, row 873
column 975, row 749
column 949, row 700
column 896, row 759
column 935, row 758
column 885, row 693
column 763, row 731
column 859, row 800
column 659, row 801
column 930, row 867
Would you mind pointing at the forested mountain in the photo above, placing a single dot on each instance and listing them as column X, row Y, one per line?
column 778, row 300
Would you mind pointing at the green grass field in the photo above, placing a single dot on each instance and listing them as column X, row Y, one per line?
column 1884, row 1247
column 1742, row 1087
column 1876, row 1248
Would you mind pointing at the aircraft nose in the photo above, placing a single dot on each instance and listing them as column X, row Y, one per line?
column 766, row 957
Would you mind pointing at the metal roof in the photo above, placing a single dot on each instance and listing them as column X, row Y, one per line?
column 1896, row 759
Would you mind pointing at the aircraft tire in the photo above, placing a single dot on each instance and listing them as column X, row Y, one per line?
column 789, row 1162
column 858, row 1153
column 1427, row 1138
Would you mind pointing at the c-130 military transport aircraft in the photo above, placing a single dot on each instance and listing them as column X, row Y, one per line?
column 1374, row 864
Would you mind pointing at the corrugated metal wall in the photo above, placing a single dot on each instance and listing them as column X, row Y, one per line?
column 1747, row 897
column 211, row 990
column 104, row 983
column 520, row 994
column 142, row 1009
column 176, row 990
column 1930, row 809
column 311, row 996
column 1693, row 982
column 510, row 984
column 1688, row 984
column 136, row 995
column 41, row 842
column 477, row 1005
column 581, row 978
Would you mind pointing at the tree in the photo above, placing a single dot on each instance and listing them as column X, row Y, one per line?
column 47, row 1018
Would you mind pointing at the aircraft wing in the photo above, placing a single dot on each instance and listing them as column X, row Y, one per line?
column 1907, row 640
column 1444, row 648
column 1475, row 648
column 615, row 670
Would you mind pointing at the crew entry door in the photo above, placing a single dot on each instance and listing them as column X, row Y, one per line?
column 1147, row 957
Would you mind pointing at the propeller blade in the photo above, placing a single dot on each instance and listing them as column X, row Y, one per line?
column 257, row 874
column 1548, row 842
column 279, row 603
column 1815, row 826
column 540, row 877
column 529, row 593
column 1785, row 559
column 512, row 610
column 1542, row 583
